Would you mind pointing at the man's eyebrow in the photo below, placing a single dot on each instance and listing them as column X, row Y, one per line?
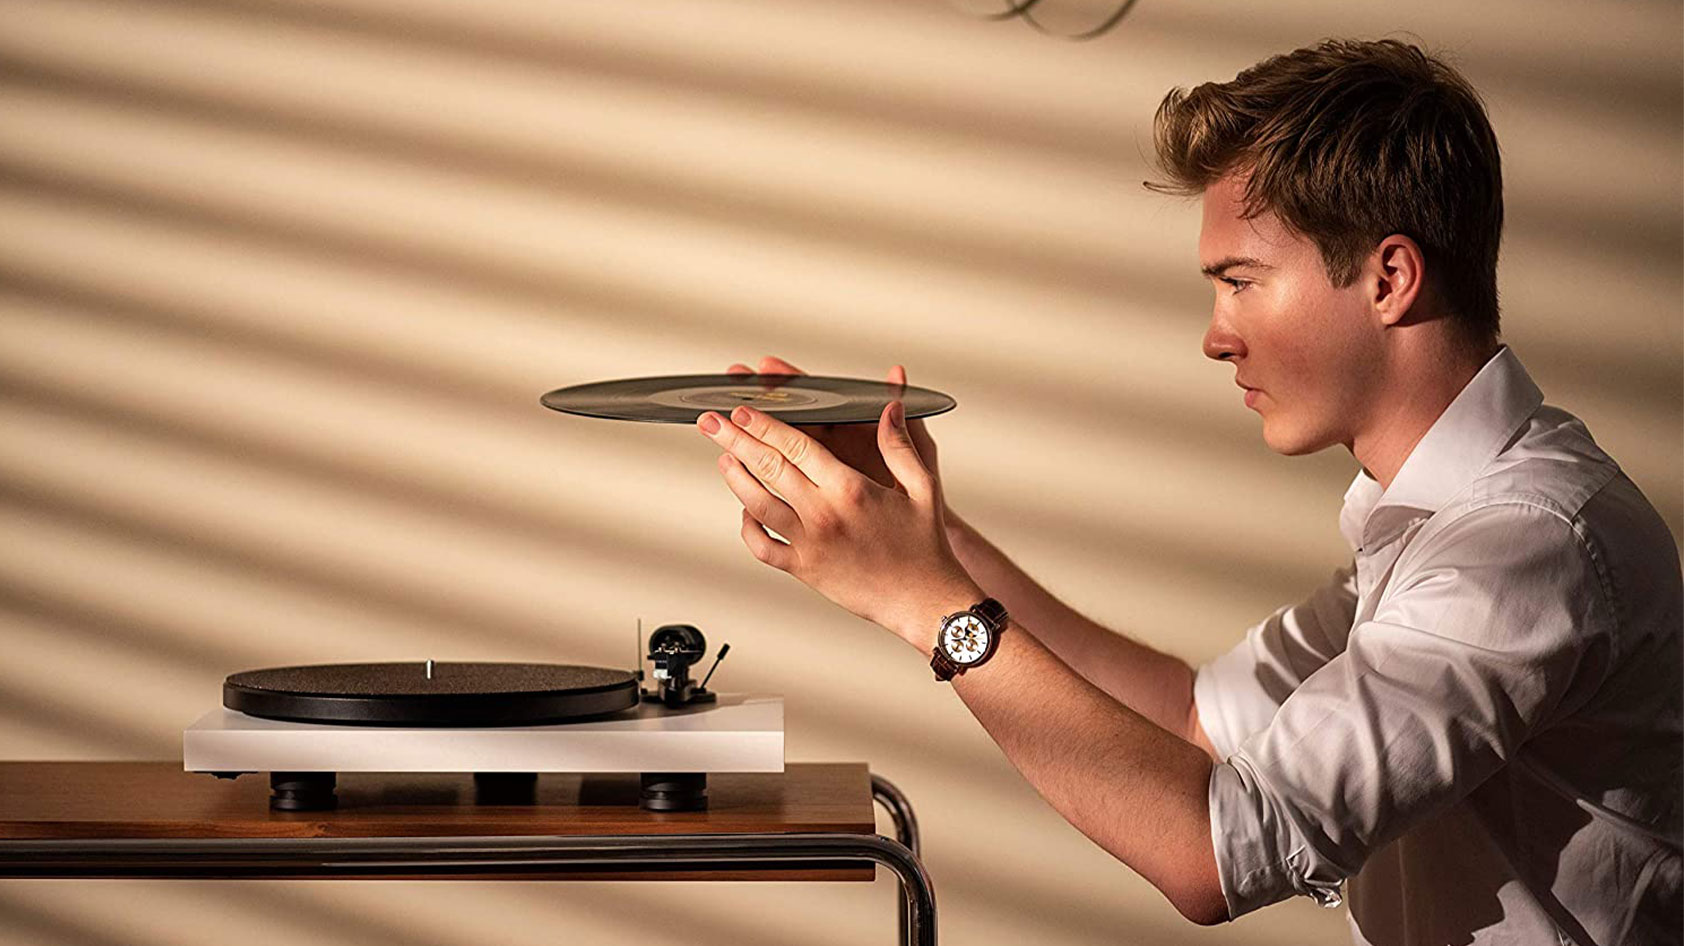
column 1229, row 262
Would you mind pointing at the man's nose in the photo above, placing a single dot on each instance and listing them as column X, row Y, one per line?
column 1221, row 342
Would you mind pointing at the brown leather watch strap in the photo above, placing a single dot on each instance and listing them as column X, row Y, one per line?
column 944, row 668
column 993, row 612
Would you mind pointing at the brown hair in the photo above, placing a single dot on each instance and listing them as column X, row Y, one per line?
column 1349, row 142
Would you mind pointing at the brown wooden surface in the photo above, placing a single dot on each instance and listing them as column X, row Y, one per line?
column 113, row 800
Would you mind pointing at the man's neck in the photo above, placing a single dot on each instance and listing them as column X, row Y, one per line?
column 1419, row 390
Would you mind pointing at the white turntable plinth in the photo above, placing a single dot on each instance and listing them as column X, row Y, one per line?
column 739, row 733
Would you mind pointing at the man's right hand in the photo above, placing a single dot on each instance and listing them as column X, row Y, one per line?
column 856, row 444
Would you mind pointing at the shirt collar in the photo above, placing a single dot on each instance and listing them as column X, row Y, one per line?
column 1464, row 439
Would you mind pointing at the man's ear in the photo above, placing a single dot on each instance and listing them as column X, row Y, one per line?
column 1395, row 274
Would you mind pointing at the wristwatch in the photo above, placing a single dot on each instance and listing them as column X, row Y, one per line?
column 968, row 638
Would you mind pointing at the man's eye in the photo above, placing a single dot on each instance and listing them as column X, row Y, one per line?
column 1238, row 284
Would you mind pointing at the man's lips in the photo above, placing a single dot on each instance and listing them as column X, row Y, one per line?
column 1251, row 393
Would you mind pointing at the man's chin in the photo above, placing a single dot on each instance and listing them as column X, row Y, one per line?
column 1290, row 442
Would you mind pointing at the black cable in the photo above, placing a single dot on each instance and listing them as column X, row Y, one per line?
column 1025, row 10
column 1012, row 10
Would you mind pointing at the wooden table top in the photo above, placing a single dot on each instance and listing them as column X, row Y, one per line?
column 120, row 800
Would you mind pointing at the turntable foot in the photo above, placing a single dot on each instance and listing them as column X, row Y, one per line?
column 674, row 791
column 505, row 788
column 302, row 791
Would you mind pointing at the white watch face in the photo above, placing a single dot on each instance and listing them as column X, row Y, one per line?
column 964, row 639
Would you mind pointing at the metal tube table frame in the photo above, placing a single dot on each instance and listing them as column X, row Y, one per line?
column 385, row 857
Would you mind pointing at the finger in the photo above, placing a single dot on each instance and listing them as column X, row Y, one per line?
column 757, row 500
column 901, row 456
column 925, row 444
column 739, row 368
column 920, row 437
column 772, row 364
column 812, row 458
column 765, row 548
column 766, row 463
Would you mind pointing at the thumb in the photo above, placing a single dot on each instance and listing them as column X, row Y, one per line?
column 901, row 456
column 920, row 436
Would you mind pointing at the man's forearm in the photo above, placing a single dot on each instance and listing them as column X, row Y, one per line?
column 1137, row 790
column 1153, row 684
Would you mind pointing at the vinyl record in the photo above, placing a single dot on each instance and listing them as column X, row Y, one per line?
column 428, row 693
column 791, row 398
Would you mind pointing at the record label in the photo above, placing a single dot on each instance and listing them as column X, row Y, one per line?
column 709, row 398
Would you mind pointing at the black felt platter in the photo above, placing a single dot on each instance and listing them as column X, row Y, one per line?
column 454, row 694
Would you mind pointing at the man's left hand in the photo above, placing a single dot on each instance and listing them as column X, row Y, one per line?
column 881, row 553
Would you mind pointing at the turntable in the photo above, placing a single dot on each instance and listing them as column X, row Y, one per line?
column 506, row 723
column 509, row 723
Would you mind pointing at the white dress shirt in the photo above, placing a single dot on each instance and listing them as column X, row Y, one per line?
column 1474, row 726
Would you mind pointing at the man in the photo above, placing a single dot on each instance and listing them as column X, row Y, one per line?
column 1475, row 725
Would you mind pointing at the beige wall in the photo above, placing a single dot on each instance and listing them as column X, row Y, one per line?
column 281, row 282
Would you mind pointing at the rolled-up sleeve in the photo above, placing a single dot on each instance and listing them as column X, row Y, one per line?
column 1238, row 693
column 1481, row 638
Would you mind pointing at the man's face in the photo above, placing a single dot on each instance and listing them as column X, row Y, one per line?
column 1310, row 351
